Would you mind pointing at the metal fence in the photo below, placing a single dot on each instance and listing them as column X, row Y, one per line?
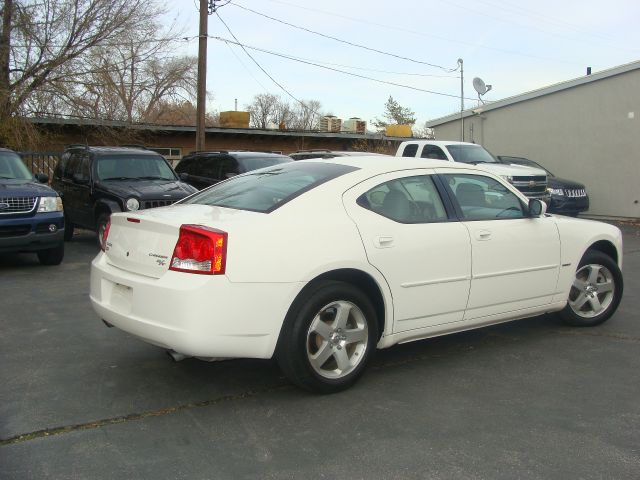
column 41, row 162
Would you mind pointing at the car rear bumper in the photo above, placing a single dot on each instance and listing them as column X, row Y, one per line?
column 196, row 315
column 31, row 234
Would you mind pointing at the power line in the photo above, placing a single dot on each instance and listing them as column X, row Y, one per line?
column 245, row 67
column 288, row 57
column 346, row 42
column 426, row 35
column 520, row 25
column 237, row 42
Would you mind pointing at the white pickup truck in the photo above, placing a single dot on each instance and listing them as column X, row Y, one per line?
column 530, row 181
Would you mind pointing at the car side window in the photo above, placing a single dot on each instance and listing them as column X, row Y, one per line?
column 228, row 168
column 72, row 166
column 434, row 152
column 61, row 166
column 483, row 198
column 83, row 168
column 406, row 200
column 185, row 165
column 410, row 150
column 207, row 166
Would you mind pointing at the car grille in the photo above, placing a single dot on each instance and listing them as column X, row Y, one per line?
column 17, row 204
column 156, row 203
column 575, row 193
column 14, row 230
column 531, row 185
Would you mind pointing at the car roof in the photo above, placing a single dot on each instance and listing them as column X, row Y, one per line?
column 440, row 142
column 113, row 149
column 377, row 164
column 236, row 153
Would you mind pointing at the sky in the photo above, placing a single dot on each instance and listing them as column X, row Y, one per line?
column 513, row 45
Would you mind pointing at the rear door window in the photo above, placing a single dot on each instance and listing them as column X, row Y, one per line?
column 406, row 200
column 434, row 152
column 410, row 150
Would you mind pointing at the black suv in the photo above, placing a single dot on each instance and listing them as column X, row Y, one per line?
column 202, row 169
column 31, row 218
column 97, row 181
column 567, row 197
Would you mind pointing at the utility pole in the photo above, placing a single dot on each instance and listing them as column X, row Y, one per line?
column 202, row 75
column 460, row 62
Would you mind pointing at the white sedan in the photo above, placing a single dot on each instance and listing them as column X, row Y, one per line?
column 318, row 263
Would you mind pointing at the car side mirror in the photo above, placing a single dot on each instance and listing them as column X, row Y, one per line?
column 80, row 179
column 42, row 177
column 537, row 208
column 184, row 176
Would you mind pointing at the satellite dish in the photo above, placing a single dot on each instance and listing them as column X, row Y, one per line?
column 479, row 86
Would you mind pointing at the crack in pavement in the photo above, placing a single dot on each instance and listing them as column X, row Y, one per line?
column 615, row 336
column 48, row 432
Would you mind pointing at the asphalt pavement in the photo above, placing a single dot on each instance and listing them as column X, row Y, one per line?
column 531, row 399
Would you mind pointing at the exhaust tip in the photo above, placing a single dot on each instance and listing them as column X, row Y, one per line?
column 176, row 356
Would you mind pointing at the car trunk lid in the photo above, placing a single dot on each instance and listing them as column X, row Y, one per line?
column 143, row 242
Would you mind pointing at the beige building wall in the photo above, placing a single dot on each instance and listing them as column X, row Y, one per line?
column 589, row 133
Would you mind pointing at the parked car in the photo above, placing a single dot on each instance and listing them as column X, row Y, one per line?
column 530, row 181
column 567, row 196
column 31, row 218
column 95, row 182
column 317, row 263
column 320, row 153
column 202, row 169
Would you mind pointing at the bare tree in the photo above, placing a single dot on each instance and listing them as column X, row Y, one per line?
column 167, row 112
column 262, row 110
column 283, row 115
column 423, row 131
column 45, row 47
column 307, row 115
column 125, row 78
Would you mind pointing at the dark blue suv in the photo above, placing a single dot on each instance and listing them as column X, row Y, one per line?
column 31, row 217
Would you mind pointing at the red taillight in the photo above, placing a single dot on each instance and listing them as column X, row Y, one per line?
column 105, row 235
column 201, row 250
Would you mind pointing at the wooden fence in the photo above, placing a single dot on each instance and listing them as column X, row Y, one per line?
column 41, row 162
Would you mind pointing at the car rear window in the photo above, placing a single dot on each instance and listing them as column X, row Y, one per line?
column 132, row 167
column 253, row 163
column 473, row 154
column 269, row 188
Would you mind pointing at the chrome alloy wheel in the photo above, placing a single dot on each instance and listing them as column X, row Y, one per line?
column 337, row 339
column 592, row 291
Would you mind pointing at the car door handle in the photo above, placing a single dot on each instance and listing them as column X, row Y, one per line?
column 383, row 242
column 483, row 235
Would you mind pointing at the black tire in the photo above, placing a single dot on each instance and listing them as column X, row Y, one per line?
column 596, row 292
column 68, row 229
column 349, row 340
column 52, row 256
column 101, row 224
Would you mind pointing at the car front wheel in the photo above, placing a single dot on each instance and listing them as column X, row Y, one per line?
column 596, row 291
column 328, row 337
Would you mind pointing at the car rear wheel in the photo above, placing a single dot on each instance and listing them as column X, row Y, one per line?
column 328, row 337
column 52, row 256
column 596, row 291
